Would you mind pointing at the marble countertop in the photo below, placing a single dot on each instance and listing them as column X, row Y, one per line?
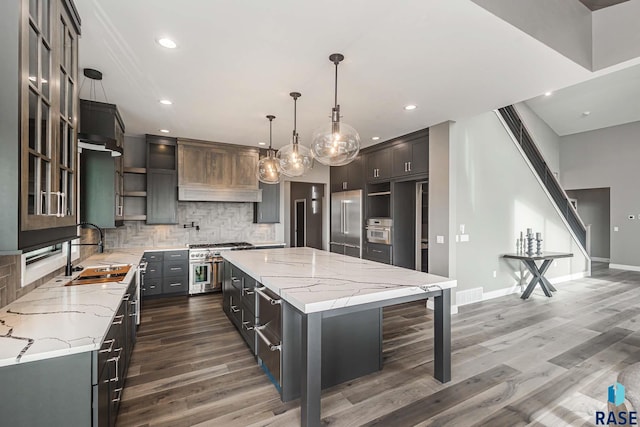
column 313, row 280
column 55, row 320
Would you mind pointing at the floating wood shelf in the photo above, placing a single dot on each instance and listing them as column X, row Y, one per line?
column 135, row 217
column 135, row 170
column 135, row 194
column 380, row 193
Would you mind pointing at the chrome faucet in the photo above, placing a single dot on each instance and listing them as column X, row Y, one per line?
column 68, row 271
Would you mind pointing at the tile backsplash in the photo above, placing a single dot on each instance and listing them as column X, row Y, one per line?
column 218, row 221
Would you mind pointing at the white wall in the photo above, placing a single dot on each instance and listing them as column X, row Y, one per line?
column 609, row 158
column 496, row 196
column 545, row 138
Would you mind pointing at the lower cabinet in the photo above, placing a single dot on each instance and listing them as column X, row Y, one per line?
column 378, row 252
column 82, row 389
column 167, row 273
column 351, row 343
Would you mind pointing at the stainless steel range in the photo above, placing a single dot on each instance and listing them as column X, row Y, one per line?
column 205, row 265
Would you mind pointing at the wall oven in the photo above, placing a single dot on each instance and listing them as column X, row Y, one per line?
column 379, row 230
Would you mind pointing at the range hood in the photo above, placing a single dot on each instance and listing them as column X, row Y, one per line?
column 98, row 124
column 203, row 194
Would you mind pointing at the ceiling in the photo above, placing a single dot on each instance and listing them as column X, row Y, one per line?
column 610, row 100
column 237, row 61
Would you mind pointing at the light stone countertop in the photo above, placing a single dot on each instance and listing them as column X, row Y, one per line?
column 313, row 280
column 55, row 320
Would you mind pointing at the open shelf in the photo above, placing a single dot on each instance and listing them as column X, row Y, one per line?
column 135, row 194
column 135, row 170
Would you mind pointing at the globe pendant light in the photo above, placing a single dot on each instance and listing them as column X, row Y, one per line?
column 338, row 143
column 269, row 167
column 295, row 159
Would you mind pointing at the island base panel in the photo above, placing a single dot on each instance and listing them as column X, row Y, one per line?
column 351, row 347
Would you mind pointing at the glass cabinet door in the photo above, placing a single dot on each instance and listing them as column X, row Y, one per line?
column 48, row 116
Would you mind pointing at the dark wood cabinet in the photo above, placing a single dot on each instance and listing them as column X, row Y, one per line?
column 162, row 180
column 378, row 252
column 167, row 273
column 348, row 177
column 378, row 165
column 268, row 210
column 410, row 157
column 38, row 123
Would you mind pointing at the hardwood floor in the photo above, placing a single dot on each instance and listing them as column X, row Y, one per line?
column 539, row 362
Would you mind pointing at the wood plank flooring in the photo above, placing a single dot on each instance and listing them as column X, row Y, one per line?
column 539, row 362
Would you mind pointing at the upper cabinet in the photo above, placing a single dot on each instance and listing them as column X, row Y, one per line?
column 348, row 177
column 162, row 182
column 378, row 165
column 216, row 172
column 48, row 114
column 410, row 157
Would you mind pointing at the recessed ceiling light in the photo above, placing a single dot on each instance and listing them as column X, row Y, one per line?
column 548, row 93
column 165, row 102
column 168, row 43
column 375, row 138
column 586, row 113
column 262, row 143
column 410, row 107
column 164, row 130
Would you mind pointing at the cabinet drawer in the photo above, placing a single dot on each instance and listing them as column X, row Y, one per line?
column 247, row 324
column 151, row 287
column 378, row 252
column 154, row 270
column 237, row 279
column 175, row 285
column 154, row 256
column 175, row 268
column 176, row 256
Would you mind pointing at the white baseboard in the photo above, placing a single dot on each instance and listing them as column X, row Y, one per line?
column 454, row 308
column 598, row 259
column 517, row 289
column 624, row 267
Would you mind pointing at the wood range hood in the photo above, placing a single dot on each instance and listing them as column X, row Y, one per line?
column 216, row 172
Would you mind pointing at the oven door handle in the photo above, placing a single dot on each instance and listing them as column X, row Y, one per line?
column 272, row 301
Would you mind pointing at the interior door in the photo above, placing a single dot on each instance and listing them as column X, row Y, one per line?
column 301, row 223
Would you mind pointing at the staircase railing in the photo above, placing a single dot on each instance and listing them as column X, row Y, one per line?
column 548, row 179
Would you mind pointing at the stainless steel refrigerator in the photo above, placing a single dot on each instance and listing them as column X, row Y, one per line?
column 346, row 223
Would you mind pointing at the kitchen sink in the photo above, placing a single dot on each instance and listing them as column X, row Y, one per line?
column 94, row 275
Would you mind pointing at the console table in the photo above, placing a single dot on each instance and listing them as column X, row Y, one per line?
column 538, row 272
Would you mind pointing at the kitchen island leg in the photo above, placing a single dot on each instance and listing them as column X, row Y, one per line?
column 442, row 336
column 311, row 369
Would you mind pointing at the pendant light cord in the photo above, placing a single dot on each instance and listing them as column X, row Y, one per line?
column 270, row 127
column 336, row 87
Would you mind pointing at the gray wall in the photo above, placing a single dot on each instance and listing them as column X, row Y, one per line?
column 564, row 26
column 496, row 197
column 441, row 257
column 546, row 139
column 615, row 34
column 609, row 158
column 9, row 124
column 594, row 207
column 219, row 222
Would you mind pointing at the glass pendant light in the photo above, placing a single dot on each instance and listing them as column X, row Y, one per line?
column 269, row 167
column 295, row 159
column 338, row 143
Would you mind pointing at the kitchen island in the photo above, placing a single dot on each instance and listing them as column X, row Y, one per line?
column 320, row 285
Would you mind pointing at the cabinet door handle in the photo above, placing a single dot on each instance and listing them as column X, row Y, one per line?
column 235, row 309
column 175, row 284
column 175, row 255
column 176, row 268
column 376, row 251
column 248, row 291
column 409, row 166
column 119, row 392
column 246, row 326
column 272, row 347
column 126, row 297
column 116, row 360
column 110, row 349
column 119, row 321
column 63, row 203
